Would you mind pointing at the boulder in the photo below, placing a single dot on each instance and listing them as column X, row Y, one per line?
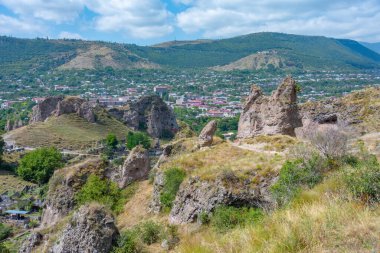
column 206, row 136
column 32, row 241
column 149, row 113
column 91, row 229
column 135, row 167
column 159, row 181
column 197, row 195
column 270, row 115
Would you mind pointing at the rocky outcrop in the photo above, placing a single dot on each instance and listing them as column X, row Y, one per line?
column 135, row 167
column 56, row 106
column 45, row 109
column 207, row 134
column 149, row 113
column 269, row 115
column 63, row 185
column 34, row 240
column 14, row 124
column 197, row 195
column 159, row 181
column 91, row 229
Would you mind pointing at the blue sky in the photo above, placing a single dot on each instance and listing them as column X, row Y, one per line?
column 146, row 22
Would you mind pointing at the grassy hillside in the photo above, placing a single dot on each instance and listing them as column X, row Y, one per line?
column 308, row 52
column 373, row 46
column 299, row 52
column 67, row 131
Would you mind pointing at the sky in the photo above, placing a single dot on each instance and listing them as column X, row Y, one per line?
column 146, row 22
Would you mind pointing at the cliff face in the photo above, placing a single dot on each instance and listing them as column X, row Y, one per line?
column 269, row 115
column 149, row 113
column 91, row 229
column 56, row 106
column 62, row 188
column 198, row 196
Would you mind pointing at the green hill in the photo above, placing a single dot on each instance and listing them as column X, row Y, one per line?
column 295, row 51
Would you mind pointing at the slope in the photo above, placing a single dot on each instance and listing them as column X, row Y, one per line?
column 373, row 46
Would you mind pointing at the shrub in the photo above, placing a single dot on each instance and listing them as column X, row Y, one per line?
column 5, row 231
column 39, row 165
column 330, row 142
column 128, row 243
column 204, row 218
column 363, row 178
column 295, row 174
column 225, row 218
column 3, row 248
column 2, row 145
column 103, row 191
column 111, row 141
column 149, row 232
column 173, row 178
column 138, row 138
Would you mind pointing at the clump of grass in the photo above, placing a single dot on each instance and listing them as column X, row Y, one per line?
column 173, row 178
column 225, row 218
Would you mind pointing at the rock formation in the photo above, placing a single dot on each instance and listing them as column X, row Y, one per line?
column 197, row 196
column 63, row 185
column 206, row 136
column 269, row 115
column 135, row 167
column 34, row 240
column 45, row 109
column 91, row 229
column 149, row 113
column 14, row 124
column 56, row 106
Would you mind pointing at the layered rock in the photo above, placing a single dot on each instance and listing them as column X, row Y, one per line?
column 56, row 106
column 63, row 186
column 135, row 167
column 14, row 124
column 269, row 115
column 206, row 136
column 91, row 229
column 197, row 195
column 34, row 240
column 149, row 113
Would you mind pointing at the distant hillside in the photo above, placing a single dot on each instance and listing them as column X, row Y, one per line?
column 243, row 52
column 373, row 46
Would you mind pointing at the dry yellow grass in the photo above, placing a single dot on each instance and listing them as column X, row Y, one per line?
column 324, row 219
column 67, row 131
column 10, row 183
column 224, row 156
column 278, row 143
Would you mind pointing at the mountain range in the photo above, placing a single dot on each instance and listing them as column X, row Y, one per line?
column 249, row 52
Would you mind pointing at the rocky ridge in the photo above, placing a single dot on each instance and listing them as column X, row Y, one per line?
column 269, row 115
column 150, row 113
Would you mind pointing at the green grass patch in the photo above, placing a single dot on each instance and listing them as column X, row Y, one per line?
column 173, row 178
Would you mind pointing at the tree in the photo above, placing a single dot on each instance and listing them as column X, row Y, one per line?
column 38, row 166
column 138, row 138
column 2, row 145
column 111, row 141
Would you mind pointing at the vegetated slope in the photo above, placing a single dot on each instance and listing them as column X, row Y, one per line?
column 296, row 51
column 308, row 52
column 22, row 55
column 67, row 131
column 373, row 46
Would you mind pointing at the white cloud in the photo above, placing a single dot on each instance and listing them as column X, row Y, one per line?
column 69, row 35
column 138, row 18
column 17, row 27
column 356, row 19
column 59, row 11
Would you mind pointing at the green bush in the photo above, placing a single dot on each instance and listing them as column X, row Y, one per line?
column 149, row 232
column 228, row 217
column 137, row 138
column 297, row 174
column 38, row 166
column 111, row 141
column 5, row 231
column 363, row 178
column 204, row 218
column 173, row 178
column 103, row 191
column 128, row 243
column 4, row 249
